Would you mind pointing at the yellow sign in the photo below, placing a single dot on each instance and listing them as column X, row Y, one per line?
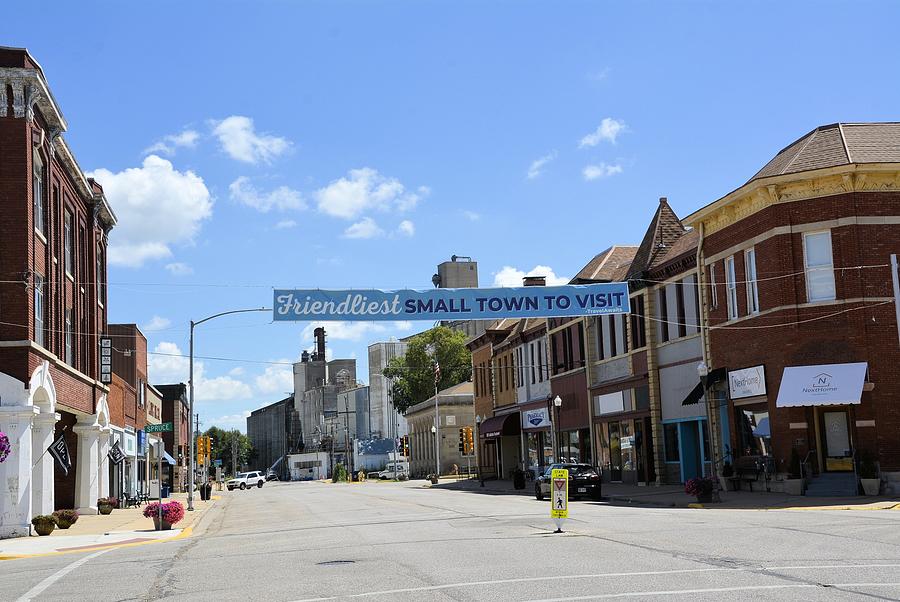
column 559, row 493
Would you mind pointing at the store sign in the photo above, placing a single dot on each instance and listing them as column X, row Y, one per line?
column 748, row 382
column 536, row 419
column 106, row 360
column 451, row 304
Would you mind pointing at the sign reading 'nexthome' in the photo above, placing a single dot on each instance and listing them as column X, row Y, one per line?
column 451, row 304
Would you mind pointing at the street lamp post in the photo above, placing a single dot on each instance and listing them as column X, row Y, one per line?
column 557, row 403
column 190, row 499
column 478, row 448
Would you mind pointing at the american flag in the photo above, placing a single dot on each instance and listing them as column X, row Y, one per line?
column 437, row 373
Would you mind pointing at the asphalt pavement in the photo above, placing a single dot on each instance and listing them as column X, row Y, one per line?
column 406, row 541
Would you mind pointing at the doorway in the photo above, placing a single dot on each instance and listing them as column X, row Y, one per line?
column 615, row 453
column 837, row 446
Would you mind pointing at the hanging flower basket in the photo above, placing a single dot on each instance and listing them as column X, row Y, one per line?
column 5, row 447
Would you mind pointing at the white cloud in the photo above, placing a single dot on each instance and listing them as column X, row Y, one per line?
column 510, row 276
column 276, row 379
column 343, row 331
column 608, row 130
column 236, row 371
column 364, row 190
column 156, row 324
column 285, row 224
column 179, row 269
column 232, row 420
column 240, row 141
column 534, row 170
column 168, row 144
column 601, row 170
column 282, row 198
column 365, row 228
column 157, row 206
column 167, row 364
column 406, row 228
column 471, row 215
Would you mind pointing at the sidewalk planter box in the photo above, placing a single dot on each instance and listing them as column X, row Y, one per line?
column 172, row 512
column 793, row 486
column 105, row 509
column 161, row 525
column 871, row 486
column 65, row 518
column 44, row 524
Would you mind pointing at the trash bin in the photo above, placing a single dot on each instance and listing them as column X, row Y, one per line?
column 165, row 491
column 519, row 479
column 206, row 488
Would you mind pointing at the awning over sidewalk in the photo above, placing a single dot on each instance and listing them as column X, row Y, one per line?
column 824, row 384
column 497, row 426
column 694, row 396
column 168, row 459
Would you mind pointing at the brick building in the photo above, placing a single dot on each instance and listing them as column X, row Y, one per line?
column 800, row 306
column 177, row 442
column 53, row 260
column 129, row 390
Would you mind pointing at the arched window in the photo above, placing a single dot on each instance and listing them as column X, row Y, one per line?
column 37, row 190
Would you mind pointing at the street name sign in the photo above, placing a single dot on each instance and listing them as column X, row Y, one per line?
column 162, row 427
column 559, row 496
column 451, row 303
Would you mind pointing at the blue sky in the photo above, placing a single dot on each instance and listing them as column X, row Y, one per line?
column 246, row 146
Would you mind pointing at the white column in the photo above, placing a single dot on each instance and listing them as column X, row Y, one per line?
column 15, row 472
column 42, row 485
column 103, row 463
column 87, row 488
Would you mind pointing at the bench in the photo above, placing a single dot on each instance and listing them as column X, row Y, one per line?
column 746, row 470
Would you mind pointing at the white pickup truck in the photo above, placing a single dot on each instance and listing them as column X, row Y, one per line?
column 392, row 470
column 243, row 480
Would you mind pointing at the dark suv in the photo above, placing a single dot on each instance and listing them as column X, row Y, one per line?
column 584, row 480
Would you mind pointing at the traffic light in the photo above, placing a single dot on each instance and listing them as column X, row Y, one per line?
column 405, row 443
column 462, row 442
column 201, row 454
column 469, row 441
column 207, row 447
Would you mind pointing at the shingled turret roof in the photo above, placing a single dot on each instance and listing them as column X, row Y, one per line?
column 834, row 145
column 664, row 232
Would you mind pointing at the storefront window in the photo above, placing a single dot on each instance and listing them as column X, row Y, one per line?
column 603, row 445
column 670, row 432
column 533, row 442
column 548, row 450
column 569, row 448
column 615, row 450
column 626, row 442
column 753, row 431
column 584, row 444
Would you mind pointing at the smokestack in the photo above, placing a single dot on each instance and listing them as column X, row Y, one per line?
column 319, row 334
column 534, row 281
column 304, row 357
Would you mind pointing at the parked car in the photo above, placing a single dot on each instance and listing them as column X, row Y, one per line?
column 271, row 476
column 393, row 470
column 243, row 480
column 584, row 480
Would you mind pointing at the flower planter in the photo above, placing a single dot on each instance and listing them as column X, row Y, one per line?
column 161, row 525
column 793, row 486
column 105, row 509
column 44, row 528
column 871, row 486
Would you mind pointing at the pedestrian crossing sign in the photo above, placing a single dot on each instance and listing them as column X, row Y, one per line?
column 559, row 493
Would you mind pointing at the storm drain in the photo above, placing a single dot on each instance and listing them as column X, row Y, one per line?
column 331, row 562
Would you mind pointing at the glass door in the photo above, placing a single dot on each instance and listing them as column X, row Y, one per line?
column 615, row 453
column 838, row 452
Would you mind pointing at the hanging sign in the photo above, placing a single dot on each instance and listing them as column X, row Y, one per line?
column 451, row 303
column 115, row 454
column 60, row 451
column 106, row 360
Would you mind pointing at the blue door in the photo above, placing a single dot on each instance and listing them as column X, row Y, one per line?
column 690, row 450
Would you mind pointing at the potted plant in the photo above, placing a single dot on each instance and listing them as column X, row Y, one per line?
column 701, row 488
column 44, row 524
column 793, row 484
column 5, row 447
column 172, row 512
column 868, row 474
column 65, row 518
column 106, row 504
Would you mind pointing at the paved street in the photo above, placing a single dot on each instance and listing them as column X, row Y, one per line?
column 391, row 541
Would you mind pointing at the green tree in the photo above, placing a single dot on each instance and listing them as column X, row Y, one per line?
column 224, row 445
column 412, row 375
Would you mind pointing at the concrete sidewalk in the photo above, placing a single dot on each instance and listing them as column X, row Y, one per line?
column 673, row 496
column 124, row 527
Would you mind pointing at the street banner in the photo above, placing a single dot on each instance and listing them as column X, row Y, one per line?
column 59, row 450
column 115, row 454
column 451, row 303
column 559, row 496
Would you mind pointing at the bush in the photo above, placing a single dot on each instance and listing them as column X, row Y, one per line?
column 108, row 501
column 172, row 512
column 339, row 474
column 65, row 518
column 698, row 486
column 43, row 519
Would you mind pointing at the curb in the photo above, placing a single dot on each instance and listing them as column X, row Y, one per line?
column 187, row 532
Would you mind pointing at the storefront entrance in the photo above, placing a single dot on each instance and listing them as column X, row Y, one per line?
column 834, row 431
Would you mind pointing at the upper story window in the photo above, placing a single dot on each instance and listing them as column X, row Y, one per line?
column 819, row 266
column 713, row 291
column 540, row 360
column 38, row 194
column 565, row 347
column 39, row 309
column 638, row 323
column 141, row 392
column 612, row 337
column 752, row 289
column 663, row 315
column 69, row 243
column 731, row 288
column 69, row 350
column 520, row 366
column 101, row 287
